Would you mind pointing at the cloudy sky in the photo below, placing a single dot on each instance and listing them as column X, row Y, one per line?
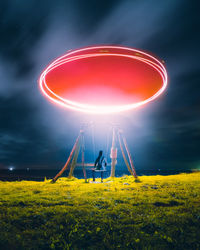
column 35, row 133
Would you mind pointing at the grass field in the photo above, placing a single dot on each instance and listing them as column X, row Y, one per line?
column 155, row 212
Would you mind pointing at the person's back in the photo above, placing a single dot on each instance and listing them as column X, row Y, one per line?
column 100, row 162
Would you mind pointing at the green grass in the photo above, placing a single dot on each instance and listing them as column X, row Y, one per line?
column 156, row 212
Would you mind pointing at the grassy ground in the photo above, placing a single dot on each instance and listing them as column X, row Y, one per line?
column 156, row 212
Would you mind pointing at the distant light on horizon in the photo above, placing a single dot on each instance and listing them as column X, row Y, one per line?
column 11, row 168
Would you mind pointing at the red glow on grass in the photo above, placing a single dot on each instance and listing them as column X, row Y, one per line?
column 104, row 79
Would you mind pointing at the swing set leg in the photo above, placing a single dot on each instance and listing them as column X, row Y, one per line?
column 74, row 161
column 130, row 166
column 113, row 154
column 129, row 156
column 83, row 158
column 74, row 153
column 67, row 162
column 123, row 154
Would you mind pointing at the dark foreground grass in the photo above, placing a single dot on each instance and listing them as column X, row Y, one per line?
column 156, row 212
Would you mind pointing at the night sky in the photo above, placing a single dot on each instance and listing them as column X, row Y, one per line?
column 34, row 133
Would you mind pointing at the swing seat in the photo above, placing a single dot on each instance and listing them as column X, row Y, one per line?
column 98, row 171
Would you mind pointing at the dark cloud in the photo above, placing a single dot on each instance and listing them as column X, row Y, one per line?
column 36, row 133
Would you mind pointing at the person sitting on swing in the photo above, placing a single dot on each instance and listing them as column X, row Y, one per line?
column 100, row 164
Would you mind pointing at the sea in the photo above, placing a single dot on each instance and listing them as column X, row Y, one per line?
column 41, row 174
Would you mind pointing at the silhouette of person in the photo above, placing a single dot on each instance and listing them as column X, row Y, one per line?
column 100, row 163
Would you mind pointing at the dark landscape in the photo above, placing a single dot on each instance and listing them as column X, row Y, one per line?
column 152, row 212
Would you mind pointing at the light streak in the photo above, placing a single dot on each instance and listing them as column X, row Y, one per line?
column 91, row 52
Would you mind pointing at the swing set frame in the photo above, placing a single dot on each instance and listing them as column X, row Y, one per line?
column 79, row 145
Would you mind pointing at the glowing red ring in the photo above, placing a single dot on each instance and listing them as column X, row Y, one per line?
column 92, row 52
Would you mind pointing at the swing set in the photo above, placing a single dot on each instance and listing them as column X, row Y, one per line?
column 79, row 147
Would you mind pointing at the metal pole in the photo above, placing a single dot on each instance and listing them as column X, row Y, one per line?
column 113, row 154
column 74, row 161
column 83, row 157
column 129, row 156
column 67, row 162
column 123, row 154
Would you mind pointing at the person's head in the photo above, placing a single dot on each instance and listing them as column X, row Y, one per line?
column 100, row 153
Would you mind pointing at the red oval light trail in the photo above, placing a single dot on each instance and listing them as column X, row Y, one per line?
column 104, row 79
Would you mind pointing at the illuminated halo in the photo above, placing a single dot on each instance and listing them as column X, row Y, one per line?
column 103, row 79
